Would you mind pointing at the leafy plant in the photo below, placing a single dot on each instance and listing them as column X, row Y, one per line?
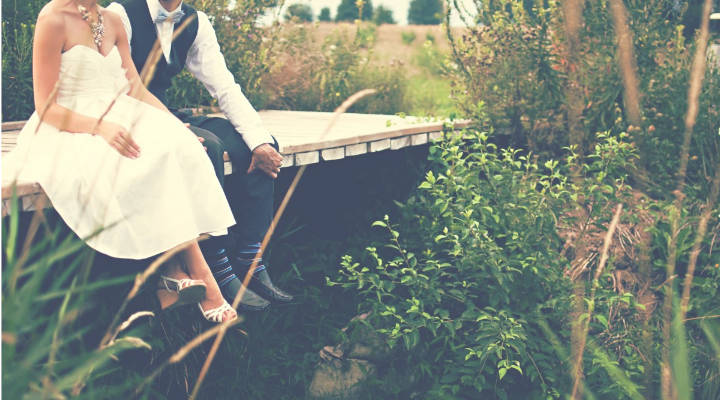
column 449, row 289
column 49, row 312
column 408, row 37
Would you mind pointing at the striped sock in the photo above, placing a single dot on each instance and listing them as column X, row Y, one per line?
column 246, row 255
column 221, row 268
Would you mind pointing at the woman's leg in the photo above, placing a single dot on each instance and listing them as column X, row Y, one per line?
column 174, row 270
column 199, row 269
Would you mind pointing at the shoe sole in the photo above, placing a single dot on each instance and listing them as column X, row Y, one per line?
column 189, row 295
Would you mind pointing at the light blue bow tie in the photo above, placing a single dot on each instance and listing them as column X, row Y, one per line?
column 174, row 16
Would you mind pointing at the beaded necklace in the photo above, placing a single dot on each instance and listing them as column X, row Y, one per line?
column 97, row 28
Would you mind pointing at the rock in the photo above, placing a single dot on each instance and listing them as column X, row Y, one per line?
column 345, row 367
column 364, row 343
column 339, row 379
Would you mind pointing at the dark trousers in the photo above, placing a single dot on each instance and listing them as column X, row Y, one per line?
column 250, row 195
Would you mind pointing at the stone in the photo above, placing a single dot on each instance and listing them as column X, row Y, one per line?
column 339, row 379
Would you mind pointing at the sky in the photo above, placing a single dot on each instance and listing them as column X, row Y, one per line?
column 399, row 8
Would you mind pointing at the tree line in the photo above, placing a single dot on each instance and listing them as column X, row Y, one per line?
column 421, row 12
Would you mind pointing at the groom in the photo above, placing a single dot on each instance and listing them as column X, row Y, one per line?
column 252, row 150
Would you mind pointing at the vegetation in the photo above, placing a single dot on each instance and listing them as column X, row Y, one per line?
column 300, row 12
column 425, row 12
column 555, row 250
column 383, row 15
column 324, row 15
column 350, row 10
column 408, row 37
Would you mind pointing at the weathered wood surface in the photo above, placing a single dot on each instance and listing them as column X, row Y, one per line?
column 301, row 139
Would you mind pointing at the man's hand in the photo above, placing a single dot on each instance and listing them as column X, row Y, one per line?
column 266, row 159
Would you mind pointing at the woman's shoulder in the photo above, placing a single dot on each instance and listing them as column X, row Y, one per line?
column 111, row 17
column 53, row 15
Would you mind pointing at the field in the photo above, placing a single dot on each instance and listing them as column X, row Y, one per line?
column 417, row 53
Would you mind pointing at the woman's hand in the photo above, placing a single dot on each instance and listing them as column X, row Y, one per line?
column 119, row 139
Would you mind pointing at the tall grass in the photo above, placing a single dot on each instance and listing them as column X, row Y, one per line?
column 49, row 309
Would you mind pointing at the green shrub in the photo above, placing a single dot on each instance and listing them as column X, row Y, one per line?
column 245, row 45
column 516, row 64
column 431, row 59
column 473, row 281
column 18, row 26
column 17, row 88
column 408, row 37
column 472, row 266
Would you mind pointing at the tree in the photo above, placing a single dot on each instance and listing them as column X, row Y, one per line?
column 348, row 10
column 302, row 12
column 425, row 12
column 383, row 15
column 324, row 15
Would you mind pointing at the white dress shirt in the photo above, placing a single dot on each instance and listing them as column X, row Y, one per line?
column 206, row 63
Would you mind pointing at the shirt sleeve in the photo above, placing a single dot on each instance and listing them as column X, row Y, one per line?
column 206, row 63
column 120, row 10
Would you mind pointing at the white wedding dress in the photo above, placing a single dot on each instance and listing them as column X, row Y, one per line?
column 141, row 207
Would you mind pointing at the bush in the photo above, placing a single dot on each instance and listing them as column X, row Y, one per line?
column 408, row 37
column 245, row 45
column 18, row 27
column 516, row 64
column 474, row 284
column 17, row 87
column 301, row 12
column 474, row 266
column 431, row 59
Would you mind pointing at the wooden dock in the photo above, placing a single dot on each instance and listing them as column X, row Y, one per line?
column 300, row 135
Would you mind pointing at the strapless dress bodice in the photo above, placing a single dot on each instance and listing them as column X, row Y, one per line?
column 86, row 72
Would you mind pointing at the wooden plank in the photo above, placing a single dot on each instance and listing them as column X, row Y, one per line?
column 399, row 143
column 288, row 160
column 379, row 145
column 12, row 125
column 434, row 136
column 310, row 157
column 302, row 131
column 356, row 149
column 419, row 139
column 336, row 153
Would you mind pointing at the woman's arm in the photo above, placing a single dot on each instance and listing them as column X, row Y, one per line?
column 137, row 88
column 50, row 36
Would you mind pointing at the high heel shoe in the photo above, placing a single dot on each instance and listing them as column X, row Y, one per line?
column 189, row 290
column 216, row 314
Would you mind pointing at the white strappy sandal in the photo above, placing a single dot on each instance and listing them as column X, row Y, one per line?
column 189, row 290
column 216, row 314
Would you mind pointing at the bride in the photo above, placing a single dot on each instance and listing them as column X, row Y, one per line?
column 125, row 174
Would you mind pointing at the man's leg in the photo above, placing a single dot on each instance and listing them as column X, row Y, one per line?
column 214, row 249
column 251, row 200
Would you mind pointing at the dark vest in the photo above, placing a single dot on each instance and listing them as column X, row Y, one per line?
column 144, row 36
